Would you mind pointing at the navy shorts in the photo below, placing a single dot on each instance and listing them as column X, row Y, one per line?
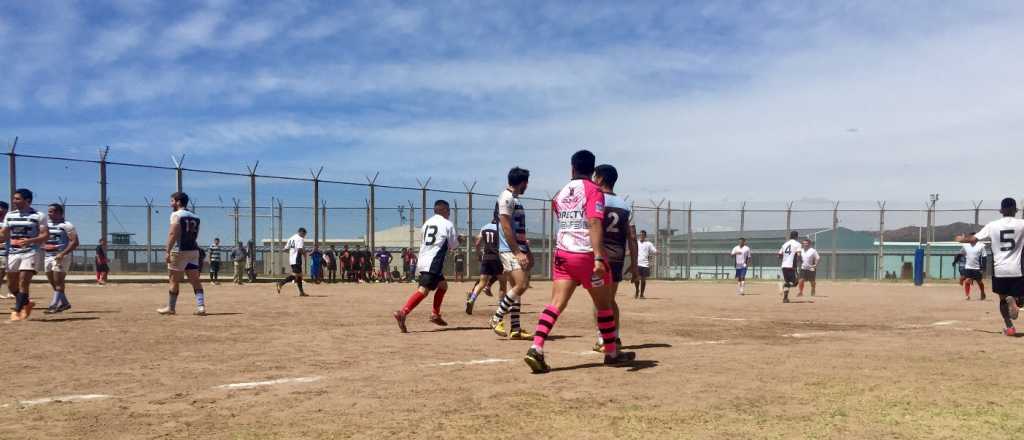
column 741, row 273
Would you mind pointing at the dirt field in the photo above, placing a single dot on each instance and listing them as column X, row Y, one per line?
column 861, row 360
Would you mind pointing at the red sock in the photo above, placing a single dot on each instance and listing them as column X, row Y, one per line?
column 413, row 301
column 438, row 299
column 967, row 289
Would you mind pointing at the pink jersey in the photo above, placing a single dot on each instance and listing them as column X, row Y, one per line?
column 578, row 202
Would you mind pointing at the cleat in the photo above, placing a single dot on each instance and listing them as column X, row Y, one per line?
column 26, row 311
column 469, row 303
column 785, row 300
column 598, row 347
column 619, row 358
column 536, row 362
column 165, row 311
column 400, row 317
column 278, row 285
column 436, row 319
column 1014, row 309
column 50, row 310
column 1010, row 331
column 200, row 311
column 520, row 335
column 499, row 328
column 64, row 308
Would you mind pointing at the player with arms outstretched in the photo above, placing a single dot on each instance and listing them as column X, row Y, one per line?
column 439, row 238
column 1007, row 237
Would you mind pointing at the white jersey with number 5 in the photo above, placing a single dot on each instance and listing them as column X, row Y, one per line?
column 439, row 237
column 1007, row 236
column 788, row 251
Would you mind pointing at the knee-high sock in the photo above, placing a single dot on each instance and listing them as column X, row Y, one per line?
column 1004, row 310
column 287, row 279
column 63, row 299
column 967, row 288
column 643, row 286
column 200, row 298
column 56, row 299
column 544, row 325
column 606, row 325
column 20, row 300
column 172, row 299
column 513, row 316
column 298, row 283
column 413, row 301
column 503, row 305
column 438, row 299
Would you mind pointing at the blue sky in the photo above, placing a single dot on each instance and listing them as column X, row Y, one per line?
column 708, row 101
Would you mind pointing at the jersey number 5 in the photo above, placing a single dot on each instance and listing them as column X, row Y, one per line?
column 1009, row 243
column 430, row 235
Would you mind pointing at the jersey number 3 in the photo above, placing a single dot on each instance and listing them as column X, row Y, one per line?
column 430, row 235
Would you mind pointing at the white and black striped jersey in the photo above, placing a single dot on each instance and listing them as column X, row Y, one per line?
column 214, row 252
column 489, row 240
column 188, row 236
column 508, row 204
column 24, row 224
column 616, row 227
column 60, row 237
column 439, row 237
column 1007, row 236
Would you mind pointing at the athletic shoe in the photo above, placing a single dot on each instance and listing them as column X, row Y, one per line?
column 1010, row 331
column 1014, row 310
column 7, row 296
column 278, row 284
column 520, row 335
column 165, row 311
column 63, row 308
column 400, row 317
column 303, row 294
column 469, row 303
column 50, row 310
column 499, row 328
column 26, row 311
column 200, row 311
column 436, row 319
column 785, row 300
column 598, row 347
column 536, row 362
column 619, row 358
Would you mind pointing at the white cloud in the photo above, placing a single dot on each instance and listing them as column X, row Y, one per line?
column 110, row 45
column 196, row 30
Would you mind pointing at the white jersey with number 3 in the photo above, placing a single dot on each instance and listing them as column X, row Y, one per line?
column 788, row 251
column 1007, row 236
column 439, row 237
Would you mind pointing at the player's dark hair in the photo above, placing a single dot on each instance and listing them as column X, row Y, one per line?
column 24, row 193
column 608, row 174
column 58, row 207
column 438, row 204
column 643, row 231
column 181, row 198
column 794, row 234
column 743, row 239
column 1008, row 207
column 302, row 230
column 583, row 162
column 518, row 175
column 4, row 206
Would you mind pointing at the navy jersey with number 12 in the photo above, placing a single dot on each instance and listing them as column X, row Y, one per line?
column 188, row 238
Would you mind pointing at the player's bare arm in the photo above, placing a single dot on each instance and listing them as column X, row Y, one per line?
column 172, row 237
column 72, row 245
column 597, row 242
column 506, row 228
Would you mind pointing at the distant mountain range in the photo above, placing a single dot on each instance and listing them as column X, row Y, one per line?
column 942, row 233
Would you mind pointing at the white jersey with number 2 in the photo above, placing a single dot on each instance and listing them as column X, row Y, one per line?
column 1007, row 236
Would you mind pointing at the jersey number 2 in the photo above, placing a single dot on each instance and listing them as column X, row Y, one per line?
column 611, row 225
column 430, row 235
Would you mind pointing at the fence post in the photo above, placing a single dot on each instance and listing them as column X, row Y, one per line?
column 933, row 198
column 149, row 235
column 412, row 230
column 236, row 215
column 668, row 239
column 544, row 232
column 283, row 257
column 881, row 239
column 252, row 212
column 423, row 199
column 12, row 164
column 103, row 191
column 372, row 219
column 178, row 161
column 366, row 234
column 657, row 235
column 316, row 205
column 977, row 212
column 469, row 222
column 689, row 238
column 789, row 219
column 835, row 242
column 743, row 217
column 323, row 221
column 551, row 233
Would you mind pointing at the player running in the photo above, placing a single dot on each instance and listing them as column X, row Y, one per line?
column 787, row 256
column 580, row 260
column 26, row 229
column 63, row 240
column 619, row 234
column 296, row 251
column 517, row 260
column 973, row 257
column 645, row 253
column 490, row 265
column 183, row 254
column 809, row 260
column 741, row 252
column 1007, row 237
column 439, row 238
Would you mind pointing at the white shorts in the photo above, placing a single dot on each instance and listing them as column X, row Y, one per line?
column 509, row 262
column 52, row 266
column 184, row 260
column 32, row 261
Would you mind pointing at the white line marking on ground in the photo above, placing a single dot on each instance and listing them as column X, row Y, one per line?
column 250, row 385
column 707, row 342
column 806, row 335
column 73, row 398
column 945, row 322
column 477, row 362
column 716, row 318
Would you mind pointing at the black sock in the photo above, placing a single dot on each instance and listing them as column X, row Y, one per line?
column 643, row 286
column 20, row 299
column 298, row 282
column 287, row 280
column 1004, row 310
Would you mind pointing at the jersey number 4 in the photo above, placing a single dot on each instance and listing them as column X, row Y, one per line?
column 788, row 250
column 430, row 235
column 1007, row 239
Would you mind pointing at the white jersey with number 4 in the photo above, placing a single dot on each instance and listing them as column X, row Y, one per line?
column 439, row 237
column 1007, row 236
column 295, row 245
column 973, row 254
column 788, row 251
